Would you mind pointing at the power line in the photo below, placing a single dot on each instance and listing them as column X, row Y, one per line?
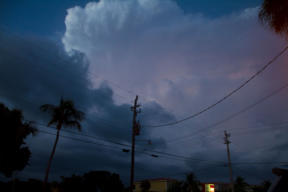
column 225, row 97
column 149, row 154
column 92, row 142
column 141, row 150
column 160, row 152
column 263, row 129
column 63, row 60
column 107, row 146
column 107, row 122
column 235, row 114
column 81, row 140
column 170, row 155
column 89, row 136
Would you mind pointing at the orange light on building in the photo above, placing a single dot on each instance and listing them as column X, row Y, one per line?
column 209, row 188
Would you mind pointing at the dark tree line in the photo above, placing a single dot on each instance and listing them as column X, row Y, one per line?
column 191, row 184
column 94, row 181
column 14, row 154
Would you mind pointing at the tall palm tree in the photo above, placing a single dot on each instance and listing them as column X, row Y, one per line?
column 274, row 13
column 65, row 115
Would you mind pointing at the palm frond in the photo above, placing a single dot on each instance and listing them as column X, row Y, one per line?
column 75, row 114
column 73, row 124
column 65, row 114
column 48, row 108
column 53, row 121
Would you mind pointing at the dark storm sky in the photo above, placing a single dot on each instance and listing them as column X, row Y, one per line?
column 179, row 56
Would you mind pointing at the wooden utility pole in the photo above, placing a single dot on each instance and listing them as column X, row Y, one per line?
column 227, row 142
column 135, row 131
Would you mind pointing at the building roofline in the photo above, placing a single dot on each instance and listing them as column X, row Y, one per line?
column 222, row 183
column 279, row 171
column 158, row 179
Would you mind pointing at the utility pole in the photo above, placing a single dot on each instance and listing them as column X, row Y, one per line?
column 135, row 131
column 227, row 142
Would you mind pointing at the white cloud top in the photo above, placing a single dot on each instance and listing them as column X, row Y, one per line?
column 184, row 61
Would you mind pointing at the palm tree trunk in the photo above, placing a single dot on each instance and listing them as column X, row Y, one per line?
column 51, row 156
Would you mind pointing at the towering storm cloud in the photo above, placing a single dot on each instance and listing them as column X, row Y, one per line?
column 42, row 72
column 185, row 61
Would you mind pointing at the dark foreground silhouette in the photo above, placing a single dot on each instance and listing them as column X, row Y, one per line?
column 14, row 154
column 95, row 181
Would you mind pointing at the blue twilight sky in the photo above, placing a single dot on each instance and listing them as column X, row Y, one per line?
column 46, row 17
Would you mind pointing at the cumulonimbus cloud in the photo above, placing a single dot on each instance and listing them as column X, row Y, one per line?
column 151, row 46
column 183, row 60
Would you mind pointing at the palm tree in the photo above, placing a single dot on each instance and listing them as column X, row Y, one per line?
column 65, row 115
column 274, row 13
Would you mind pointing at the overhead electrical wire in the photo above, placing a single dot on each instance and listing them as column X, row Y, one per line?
column 89, row 136
column 143, row 152
column 107, row 123
column 175, row 156
column 80, row 140
column 230, row 117
column 219, row 101
column 99, row 145
column 125, row 145
column 146, row 152
column 258, row 129
column 225, row 97
column 228, row 95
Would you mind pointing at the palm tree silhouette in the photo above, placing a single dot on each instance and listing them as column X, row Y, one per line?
column 65, row 115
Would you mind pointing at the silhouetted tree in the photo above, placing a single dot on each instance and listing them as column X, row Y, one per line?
column 266, row 184
column 191, row 184
column 65, row 115
column 96, row 181
column 263, row 187
column 274, row 13
column 14, row 155
column 93, row 181
column 240, row 185
column 145, row 186
column 31, row 185
column 175, row 187
column 71, row 184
